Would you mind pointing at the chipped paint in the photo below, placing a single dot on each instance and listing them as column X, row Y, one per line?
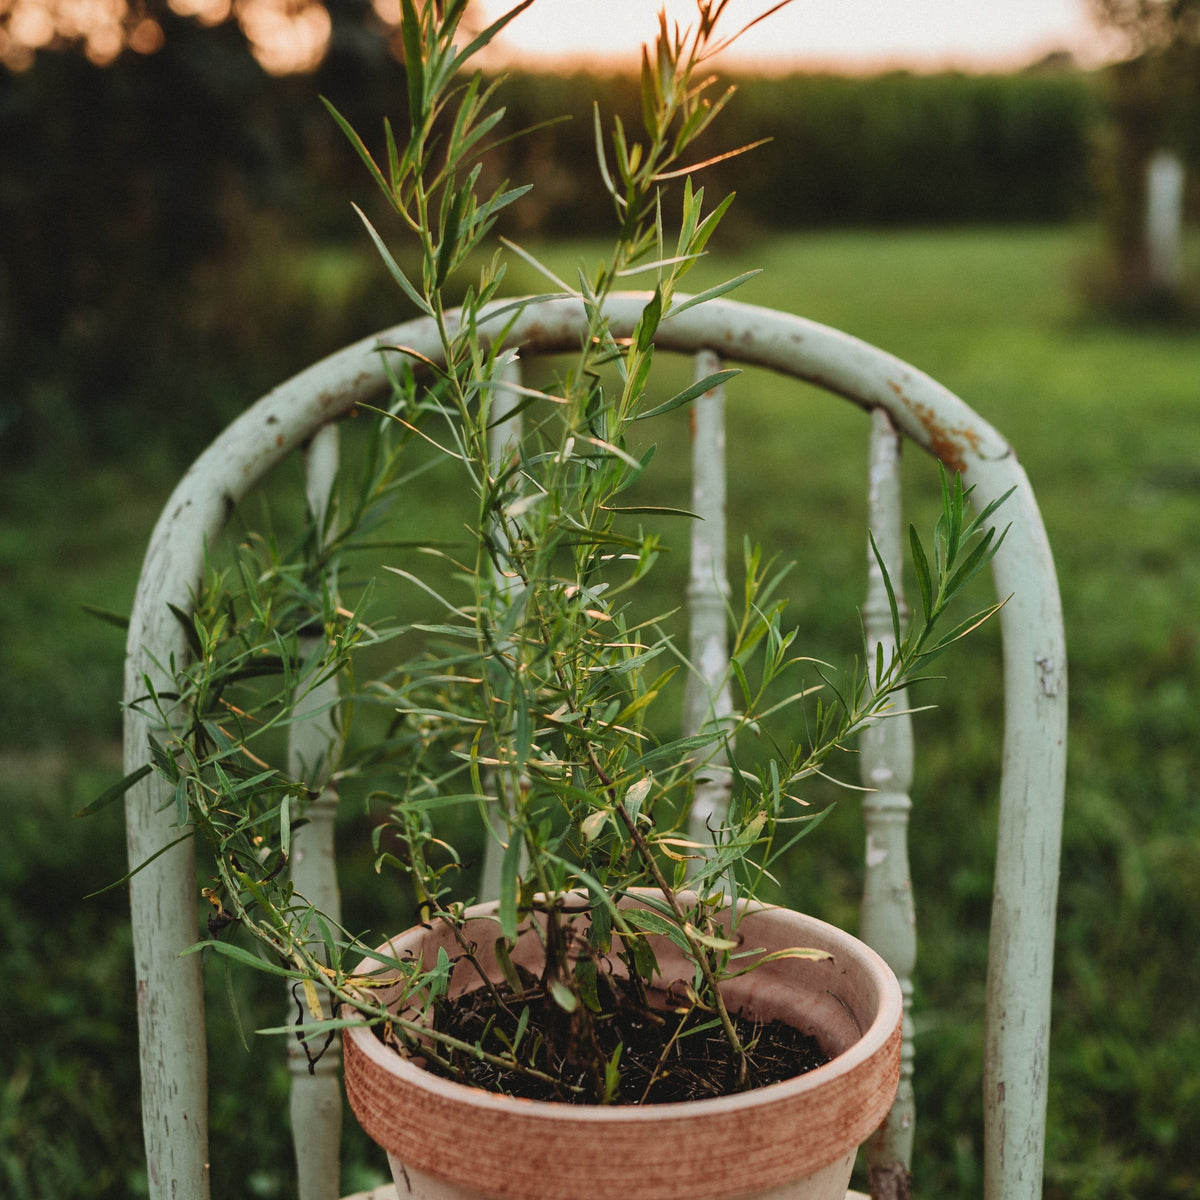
column 1047, row 675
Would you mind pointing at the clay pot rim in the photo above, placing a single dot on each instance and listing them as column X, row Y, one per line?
column 871, row 1042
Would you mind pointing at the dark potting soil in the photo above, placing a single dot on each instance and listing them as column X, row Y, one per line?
column 669, row 1053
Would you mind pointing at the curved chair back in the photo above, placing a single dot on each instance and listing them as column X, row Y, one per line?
column 301, row 416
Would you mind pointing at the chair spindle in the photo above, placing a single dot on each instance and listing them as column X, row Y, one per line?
column 707, row 696
column 886, row 753
column 316, row 1101
column 504, row 438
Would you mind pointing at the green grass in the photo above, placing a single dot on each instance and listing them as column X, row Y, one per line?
column 1105, row 421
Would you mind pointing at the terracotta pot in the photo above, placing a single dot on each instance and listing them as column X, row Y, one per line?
column 794, row 1140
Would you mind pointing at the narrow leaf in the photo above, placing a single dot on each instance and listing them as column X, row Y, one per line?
column 707, row 939
column 414, row 67
column 921, row 564
column 710, row 293
column 394, row 267
column 485, row 38
column 114, row 793
column 357, row 143
column 650, row 922
column 689, row 394
column 887, row 583
column 120, row 620
column 245, row 957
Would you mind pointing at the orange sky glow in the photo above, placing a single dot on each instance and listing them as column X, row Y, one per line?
column 854, row 35
column 850, row 35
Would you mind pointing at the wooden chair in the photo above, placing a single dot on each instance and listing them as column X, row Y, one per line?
column 301, row 417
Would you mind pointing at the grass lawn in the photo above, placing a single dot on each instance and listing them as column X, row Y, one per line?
column 1107, row 423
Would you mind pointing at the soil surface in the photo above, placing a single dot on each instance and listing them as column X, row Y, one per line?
column 668, row 1050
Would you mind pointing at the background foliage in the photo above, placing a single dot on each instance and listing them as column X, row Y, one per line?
column 190, row 185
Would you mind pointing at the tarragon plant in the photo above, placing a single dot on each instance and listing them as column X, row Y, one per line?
column 532, row 696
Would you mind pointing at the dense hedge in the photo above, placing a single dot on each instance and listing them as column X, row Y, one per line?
column 890, row 149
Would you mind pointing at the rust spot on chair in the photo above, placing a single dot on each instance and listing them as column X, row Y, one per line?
column 949, row 442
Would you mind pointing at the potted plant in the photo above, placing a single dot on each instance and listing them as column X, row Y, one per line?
column 624, row 1006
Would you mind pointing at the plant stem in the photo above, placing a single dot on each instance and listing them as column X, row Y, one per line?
column 699, row 952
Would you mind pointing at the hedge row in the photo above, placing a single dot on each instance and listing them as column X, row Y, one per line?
column 889, row 149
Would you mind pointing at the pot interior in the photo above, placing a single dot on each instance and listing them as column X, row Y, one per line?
column 823, row 998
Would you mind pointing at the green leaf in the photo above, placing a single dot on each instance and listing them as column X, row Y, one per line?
column 188, row 622
column 981, row 554
column 952, row 512
column 921, row 564
column 114, row 793
column 586, row 977
column 651, row 922
column 602, row 160
column 690, row 393
column 246, row 958
column 501, row 201
column 414, row 60
column 120, row 620
column 647, row 325
column 312, row 1030
column 676, row 749
column 710, row 293
column 612, row 1074
column 893, row 606
column 961, row 630
column 234, row 1007
column 709, row 225
column 357, row 143
column 987, row 512
column 508, row 970
column 660, row 510
column 394, row 267
column 393, row 158
column 116, row 883
column 648, row 106
column 486, row 37
column 449, row 247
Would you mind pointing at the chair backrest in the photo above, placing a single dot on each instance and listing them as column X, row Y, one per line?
column 903, row 403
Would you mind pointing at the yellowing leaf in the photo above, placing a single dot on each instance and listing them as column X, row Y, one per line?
column 313, row 1000
column 591, row 825
column 707, row 939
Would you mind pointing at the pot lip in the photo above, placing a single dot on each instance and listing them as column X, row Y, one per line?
column 873, row 1039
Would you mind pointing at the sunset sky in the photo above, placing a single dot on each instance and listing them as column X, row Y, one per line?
column 849, row 34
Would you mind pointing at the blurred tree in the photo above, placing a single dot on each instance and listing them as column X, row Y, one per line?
column 124, row 177
column 285, row 36
column 1153, row 106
